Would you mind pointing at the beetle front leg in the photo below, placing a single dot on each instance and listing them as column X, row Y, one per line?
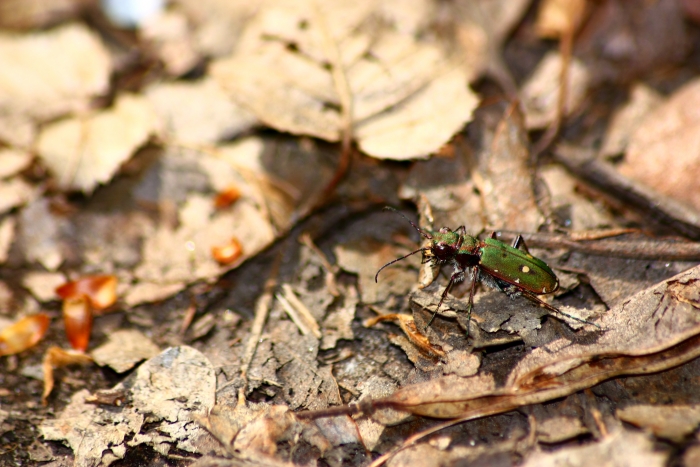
column 475, row 276
column 458, row 276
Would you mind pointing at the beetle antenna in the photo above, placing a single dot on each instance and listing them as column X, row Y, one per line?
column 421, row 231
column 376, row 276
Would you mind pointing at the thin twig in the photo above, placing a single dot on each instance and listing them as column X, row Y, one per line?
column 565, row 50
column 602, row 175
column 262, row 309
column 298, row 312
column 342, row 87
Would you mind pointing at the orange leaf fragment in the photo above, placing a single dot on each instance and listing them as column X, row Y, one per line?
column 101, row 290
column 227, row 197
column 23, row 334
column 56, row 358
column 77, row 317
column 227, row 254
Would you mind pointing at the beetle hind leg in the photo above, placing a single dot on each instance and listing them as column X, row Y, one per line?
column 533, row 298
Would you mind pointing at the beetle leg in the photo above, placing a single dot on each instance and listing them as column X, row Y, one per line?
column 458, row 276
column 533, row 298
column 520, row 242
column 475, row 276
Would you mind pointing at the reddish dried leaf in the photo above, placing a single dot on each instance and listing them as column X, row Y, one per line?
column 227, row 197
column 77, row 317
column 24, row 334
column 227, row 254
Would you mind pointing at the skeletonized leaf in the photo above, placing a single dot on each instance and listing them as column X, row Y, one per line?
column 540, row 94
column 198, row 112
column 663, row 151
column 46, row 74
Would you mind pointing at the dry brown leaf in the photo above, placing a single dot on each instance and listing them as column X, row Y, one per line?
column 620, row 449
column 38, row 14
column 250, row 430
column 14, row 193
column 364, row 258
column 482, row 28
column 40, row 234
column 197, row 112
column 168, row 34
column 643, row 100
column 93, row 433
column 505, row 178
column 571, row 208
column 46, row 74
column 84, row 152
column 173, row 388
column 7, row 236
column 124, row 349
column 623, row 41
column 558, row 17
column 664, row 151
column 671, row 422
column 184, row 255
column 13, row 161
column 408, row 99
column 216, row 24
column 540, row 93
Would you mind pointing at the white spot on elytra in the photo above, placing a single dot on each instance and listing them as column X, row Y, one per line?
column 524, row 269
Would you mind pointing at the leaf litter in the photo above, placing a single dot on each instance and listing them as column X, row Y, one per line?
column 147, row 209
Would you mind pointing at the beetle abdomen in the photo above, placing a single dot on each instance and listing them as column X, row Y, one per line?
column 517, row 267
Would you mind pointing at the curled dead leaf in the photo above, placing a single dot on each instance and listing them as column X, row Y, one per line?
column 408, row 326
column 55, row 358
column 23, row 334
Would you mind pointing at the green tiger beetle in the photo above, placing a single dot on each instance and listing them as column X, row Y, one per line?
column 511, row 270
